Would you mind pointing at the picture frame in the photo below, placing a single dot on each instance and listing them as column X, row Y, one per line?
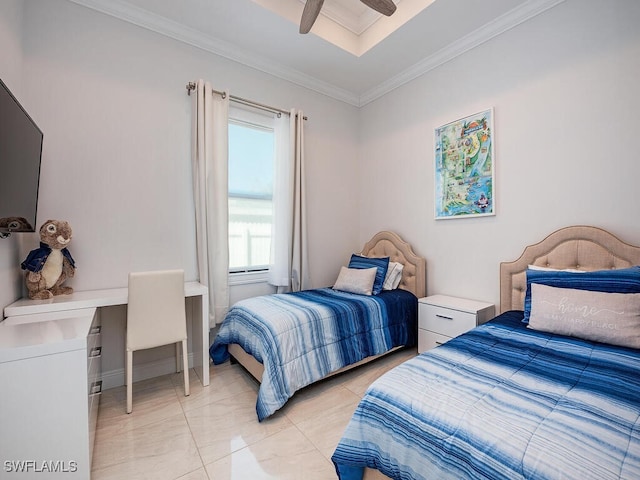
column 465, row 167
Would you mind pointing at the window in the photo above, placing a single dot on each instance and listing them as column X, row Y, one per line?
column 251, row 175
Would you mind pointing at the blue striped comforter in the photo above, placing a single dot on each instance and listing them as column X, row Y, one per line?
column 302, row 337
column 501, row 402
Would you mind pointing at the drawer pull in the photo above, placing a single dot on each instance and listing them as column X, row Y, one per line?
column 95, row 330
column 96, row 388
column 95, row 352
column 444, row 316
column 439, row 343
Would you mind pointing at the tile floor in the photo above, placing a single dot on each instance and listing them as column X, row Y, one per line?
column 214, row 433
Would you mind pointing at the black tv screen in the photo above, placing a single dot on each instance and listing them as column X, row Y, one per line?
column 20, row 155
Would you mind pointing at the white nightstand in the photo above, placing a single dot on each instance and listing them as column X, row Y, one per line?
column 440, row 318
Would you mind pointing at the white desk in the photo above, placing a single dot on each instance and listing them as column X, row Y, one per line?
column 119, row 296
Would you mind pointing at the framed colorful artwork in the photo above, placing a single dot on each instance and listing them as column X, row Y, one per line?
column 464, row 167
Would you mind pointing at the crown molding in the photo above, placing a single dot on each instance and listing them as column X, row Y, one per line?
column 158, row 24
column 479, row 36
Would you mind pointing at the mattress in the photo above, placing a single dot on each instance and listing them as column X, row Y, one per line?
column 304, row 336
column 501, row 402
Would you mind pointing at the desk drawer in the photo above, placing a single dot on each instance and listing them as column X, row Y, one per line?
column 96, row 330
column 94, row 404
column 445, row 321
column 95, row 333
column 94, row 367
column 95, row 393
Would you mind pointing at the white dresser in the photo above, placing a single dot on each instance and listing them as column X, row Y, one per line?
column 50, row 367
column 441, row 318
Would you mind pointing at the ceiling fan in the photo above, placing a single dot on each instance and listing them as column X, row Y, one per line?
column 312, row 10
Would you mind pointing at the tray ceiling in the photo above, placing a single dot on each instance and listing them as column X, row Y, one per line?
column 421, row 35
column 350, row 24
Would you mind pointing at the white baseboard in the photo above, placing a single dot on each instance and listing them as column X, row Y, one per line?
column 115, row 378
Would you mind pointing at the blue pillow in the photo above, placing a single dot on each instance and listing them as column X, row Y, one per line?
column 382, row 264
column 624, row 280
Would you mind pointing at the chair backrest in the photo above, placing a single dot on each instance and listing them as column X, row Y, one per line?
column 155, row 309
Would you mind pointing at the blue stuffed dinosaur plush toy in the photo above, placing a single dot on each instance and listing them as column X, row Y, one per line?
column 51, row 264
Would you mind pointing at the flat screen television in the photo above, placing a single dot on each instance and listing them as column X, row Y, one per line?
column 20, row 157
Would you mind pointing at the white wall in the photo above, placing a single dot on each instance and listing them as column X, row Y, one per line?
column 110, row 98
column 564, row 87
column 11, row 75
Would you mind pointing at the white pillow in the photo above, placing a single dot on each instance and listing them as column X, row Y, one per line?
column 356, row 280
column 393, row 277
column 612, row 318
column 549, row 269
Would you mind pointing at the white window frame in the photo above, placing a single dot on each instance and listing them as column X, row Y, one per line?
column 241, row 115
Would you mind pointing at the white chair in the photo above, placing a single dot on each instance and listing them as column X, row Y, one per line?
column 156, row 316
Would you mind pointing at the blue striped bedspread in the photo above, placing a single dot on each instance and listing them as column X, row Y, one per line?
column 501, row 402
column 302, row 337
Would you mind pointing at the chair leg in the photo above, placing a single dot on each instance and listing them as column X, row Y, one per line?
column 129, row 379
column 185, row 361
column 178, row 357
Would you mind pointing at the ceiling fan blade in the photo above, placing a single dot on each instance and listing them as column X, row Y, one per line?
column 385, row 7
column 309, row 14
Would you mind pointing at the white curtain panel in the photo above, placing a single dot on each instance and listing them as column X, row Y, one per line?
column 280, row 267
column 289, row 270
column 300, row 279
column 210, row 189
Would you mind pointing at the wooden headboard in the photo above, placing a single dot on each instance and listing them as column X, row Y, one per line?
column 414, row 273
column 579, row 247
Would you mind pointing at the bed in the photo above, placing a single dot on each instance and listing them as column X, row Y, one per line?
column 505, row 401
column 288, row 341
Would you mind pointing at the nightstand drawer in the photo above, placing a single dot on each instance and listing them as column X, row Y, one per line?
column 428, row 340
column 445, row 321
column 440, row 318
